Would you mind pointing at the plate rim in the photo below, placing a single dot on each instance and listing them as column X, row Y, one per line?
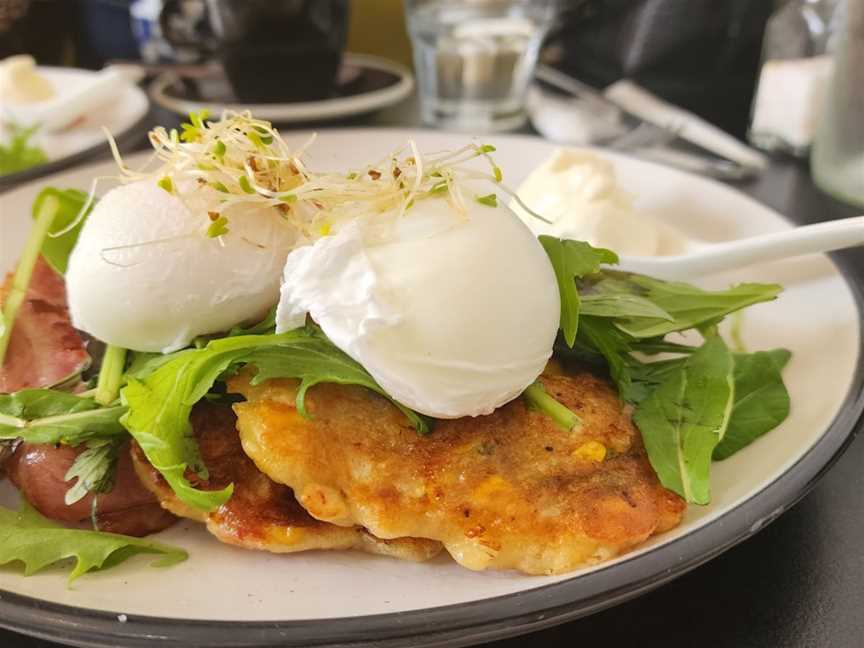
column 124, row 138
column 486, row 619
column 302, row 111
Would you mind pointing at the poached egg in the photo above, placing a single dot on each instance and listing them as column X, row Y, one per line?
column 453, row 315
column 145, row 276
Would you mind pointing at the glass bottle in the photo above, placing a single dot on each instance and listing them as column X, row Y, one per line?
column 837, row 159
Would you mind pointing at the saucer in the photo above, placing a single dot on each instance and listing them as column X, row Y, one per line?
column 364, row 84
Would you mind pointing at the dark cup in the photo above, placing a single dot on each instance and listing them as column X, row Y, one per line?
column 272, row 50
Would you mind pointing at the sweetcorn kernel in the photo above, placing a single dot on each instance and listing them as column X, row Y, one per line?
column 591, row 451
column 491, row 485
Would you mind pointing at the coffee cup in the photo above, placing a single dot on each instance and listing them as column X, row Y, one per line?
column 271, row 50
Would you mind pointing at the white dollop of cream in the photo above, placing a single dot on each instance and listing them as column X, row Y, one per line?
column 145, row 276
column 453, row 316
column 577, row 191
column 20, row 81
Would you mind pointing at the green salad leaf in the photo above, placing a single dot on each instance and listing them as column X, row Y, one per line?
column 143, row 363
column 160, row 403
column 623, row 306
column 37, row 542
column 684, row 419
column 572, row 260
column 94, row 469
column 111, row 375
column 643, row 378
column 761, row 399
column 24, row 272
column 625, row 316
column 53, row 210
column 53, row 416
column 537, row 397
column 18, row 153
column 62, row 237
column 266, row 325
column 683, row 306
column 600, row 336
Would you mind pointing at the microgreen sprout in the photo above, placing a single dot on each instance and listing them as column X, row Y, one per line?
column 193, row 132
column 166, row 184
column 256, row 139
column 218, row 227
column 240, row 160
column 245, row 185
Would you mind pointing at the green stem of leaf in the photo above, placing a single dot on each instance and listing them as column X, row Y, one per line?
column 7, row 420
column 539, row 398
column 110, row 375
column 24, row 272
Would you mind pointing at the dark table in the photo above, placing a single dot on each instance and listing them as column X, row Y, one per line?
column 799, row 583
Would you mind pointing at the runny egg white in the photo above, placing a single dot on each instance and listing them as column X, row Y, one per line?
column 145, row 276
column 454, row 315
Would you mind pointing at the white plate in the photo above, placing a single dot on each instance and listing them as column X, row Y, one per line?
column 394, row 88
column 120, row 116
column 817, row 317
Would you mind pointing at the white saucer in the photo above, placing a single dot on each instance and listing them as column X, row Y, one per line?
column 366, row 83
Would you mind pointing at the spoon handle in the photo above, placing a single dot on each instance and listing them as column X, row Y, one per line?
column 718, row 257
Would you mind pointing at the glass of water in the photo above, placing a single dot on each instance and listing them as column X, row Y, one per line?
column 474, row 59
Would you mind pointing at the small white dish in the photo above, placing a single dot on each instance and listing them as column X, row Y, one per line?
column 121, row 115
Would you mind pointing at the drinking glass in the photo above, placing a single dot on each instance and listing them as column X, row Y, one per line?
column 837, row 158
column 474, row 59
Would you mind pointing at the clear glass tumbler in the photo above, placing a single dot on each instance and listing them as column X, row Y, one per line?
column 837, row 159
column 474, row 59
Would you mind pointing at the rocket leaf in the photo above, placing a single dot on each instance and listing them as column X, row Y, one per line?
column 94, row 469
column 57, row 249
column 37, row 542
column 160, row 403
column 761, row 399
column 684, row 419
column 681, row 306
column 54, row 416
column 572, row 260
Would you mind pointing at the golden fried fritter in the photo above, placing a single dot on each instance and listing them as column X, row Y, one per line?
column 262, row 514
column 508, row 490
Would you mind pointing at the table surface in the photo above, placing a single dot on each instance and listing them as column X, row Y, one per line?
column 798, row 583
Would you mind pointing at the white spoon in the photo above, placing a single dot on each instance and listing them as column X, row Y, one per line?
column 702, row 258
